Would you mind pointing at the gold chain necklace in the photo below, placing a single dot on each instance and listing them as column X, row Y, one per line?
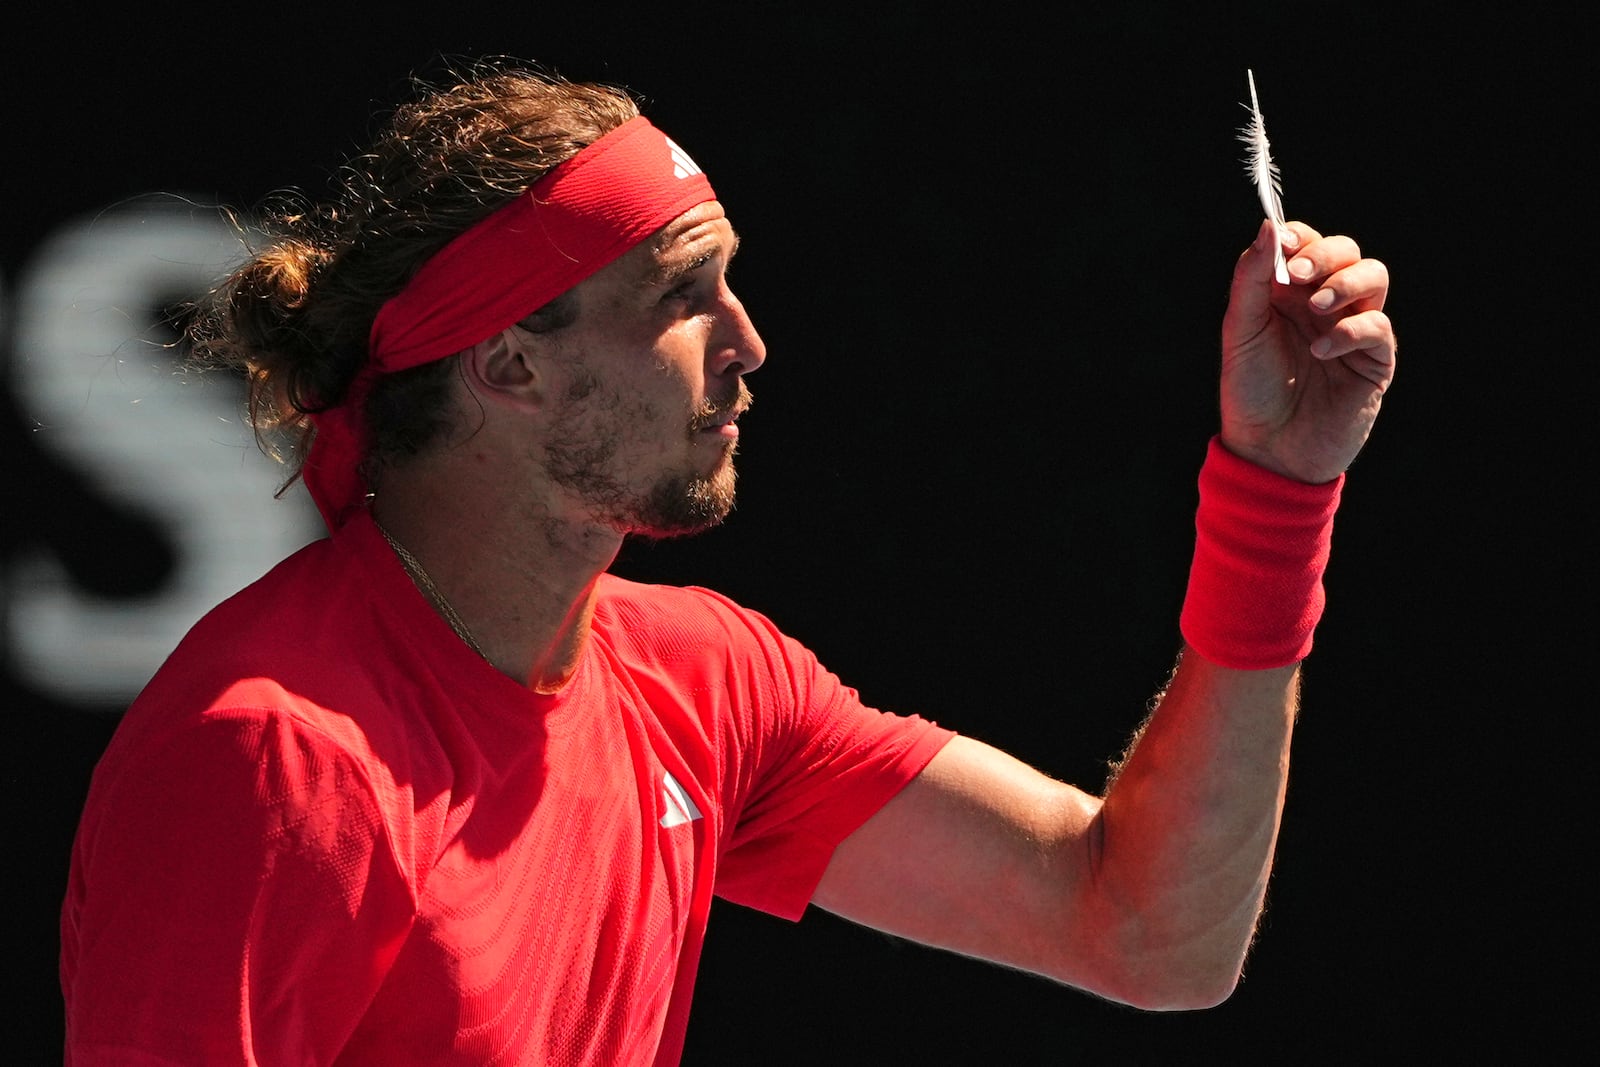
column 420, row 577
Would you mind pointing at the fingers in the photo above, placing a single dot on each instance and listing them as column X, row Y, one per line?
column 1299, row 234
column 1343, row 310
column 1315, row 256
column 1368, row 338
column 1334, row 265
column 1345, row 305
column 1251, row 302
column 1362, row 286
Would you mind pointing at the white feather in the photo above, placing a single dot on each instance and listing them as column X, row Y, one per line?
column 1264, row 172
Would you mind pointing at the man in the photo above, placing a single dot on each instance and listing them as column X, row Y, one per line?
column 440, row 789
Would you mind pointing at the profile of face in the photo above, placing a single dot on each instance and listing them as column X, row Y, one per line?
column 651, row 383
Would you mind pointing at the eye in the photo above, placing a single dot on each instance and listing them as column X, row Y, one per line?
column 687, row 297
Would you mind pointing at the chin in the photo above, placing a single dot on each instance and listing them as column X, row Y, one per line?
column 684, row 507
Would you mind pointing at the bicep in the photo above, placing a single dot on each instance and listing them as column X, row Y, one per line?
column 980, row 854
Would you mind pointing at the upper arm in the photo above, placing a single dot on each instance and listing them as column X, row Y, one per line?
column 980, row 854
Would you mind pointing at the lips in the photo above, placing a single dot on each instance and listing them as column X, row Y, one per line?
column 721, row 425
column 726, row 416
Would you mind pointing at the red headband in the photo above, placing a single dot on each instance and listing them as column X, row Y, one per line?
column 579, row 217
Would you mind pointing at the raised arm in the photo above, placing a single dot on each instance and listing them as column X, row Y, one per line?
column 1150, row 894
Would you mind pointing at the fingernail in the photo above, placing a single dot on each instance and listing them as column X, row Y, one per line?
column 1301, row 268
column 1322, row 346
column 1289, row 238
column 1322, row 299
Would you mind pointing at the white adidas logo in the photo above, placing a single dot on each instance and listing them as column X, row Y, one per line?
column 680, row 808
column 682, row 167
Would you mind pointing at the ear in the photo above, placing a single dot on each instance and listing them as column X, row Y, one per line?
column 504, row 369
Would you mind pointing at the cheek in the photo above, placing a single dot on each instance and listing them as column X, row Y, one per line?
column 674, row 384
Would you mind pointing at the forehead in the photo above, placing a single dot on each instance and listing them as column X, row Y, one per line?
column 699, row 234
column 701, row 222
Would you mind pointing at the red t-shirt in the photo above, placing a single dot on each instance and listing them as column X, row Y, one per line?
column 327, row 832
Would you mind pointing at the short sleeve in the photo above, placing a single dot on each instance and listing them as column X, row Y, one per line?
column 826, row 763
column 233, row 898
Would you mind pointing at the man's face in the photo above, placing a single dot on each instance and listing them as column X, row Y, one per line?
column 649, row 381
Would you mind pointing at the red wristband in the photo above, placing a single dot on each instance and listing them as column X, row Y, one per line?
column 1261, row 544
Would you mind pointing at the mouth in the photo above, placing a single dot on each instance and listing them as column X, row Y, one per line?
column 726, row 418
column 722, row 426
column 723, row 422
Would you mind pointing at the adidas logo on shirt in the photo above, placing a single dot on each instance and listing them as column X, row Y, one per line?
column 680, row 808
column 682, row 167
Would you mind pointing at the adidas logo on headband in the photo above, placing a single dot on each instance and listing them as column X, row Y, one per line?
column 682, row 165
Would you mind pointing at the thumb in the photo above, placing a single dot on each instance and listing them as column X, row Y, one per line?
column 1250, row 301
column 1253, row 271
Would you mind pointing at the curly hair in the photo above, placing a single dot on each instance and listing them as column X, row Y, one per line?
column 296, row 315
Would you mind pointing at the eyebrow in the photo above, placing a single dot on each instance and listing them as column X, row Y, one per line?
column 668, row 272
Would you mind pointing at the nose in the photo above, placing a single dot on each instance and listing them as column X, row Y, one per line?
column 737, row 347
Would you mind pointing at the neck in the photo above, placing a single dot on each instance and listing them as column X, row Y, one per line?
column 522, row 586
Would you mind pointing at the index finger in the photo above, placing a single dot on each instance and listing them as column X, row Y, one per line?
column 1300, row 234
column 1320, row 257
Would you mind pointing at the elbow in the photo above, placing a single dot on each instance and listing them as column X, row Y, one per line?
column 1166, row 951
column 1181, row 992
column 1160, row 970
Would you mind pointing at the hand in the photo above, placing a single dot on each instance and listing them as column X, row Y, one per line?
column 1305, row 365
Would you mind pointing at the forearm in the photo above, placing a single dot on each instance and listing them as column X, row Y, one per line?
column 1191, row 817
column 1187, row 831
column 1150, row 894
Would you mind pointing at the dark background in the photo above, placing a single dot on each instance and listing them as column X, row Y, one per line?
column 989, row 255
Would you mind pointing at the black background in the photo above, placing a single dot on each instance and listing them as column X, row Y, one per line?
column 989, row 254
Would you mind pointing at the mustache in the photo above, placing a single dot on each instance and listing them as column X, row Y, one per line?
column 714, row 410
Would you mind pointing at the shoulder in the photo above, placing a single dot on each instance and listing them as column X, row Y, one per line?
column 670, row 622
column 251, row 731
column 326, row 628
column 301, row 661
column 703, row 641
column 274, row 614
column 692, row 640
column 231, row 781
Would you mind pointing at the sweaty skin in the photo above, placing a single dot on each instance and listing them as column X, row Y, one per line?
column 1148, row 894
column 617, row 422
